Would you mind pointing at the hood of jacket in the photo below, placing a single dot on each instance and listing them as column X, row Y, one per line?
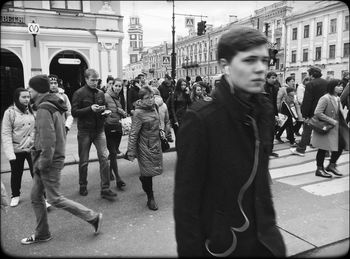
column 158, row 100
column 140, row 105
column 53, row 99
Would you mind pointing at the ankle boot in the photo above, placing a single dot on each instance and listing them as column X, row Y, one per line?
column 322, row 173
column 332, row 167
column 151, row 203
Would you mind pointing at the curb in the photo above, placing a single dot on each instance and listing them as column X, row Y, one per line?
column 172, row 149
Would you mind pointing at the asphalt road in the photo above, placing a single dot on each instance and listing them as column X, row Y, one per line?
column 311, row 212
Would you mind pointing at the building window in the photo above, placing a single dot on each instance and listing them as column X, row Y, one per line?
column 294, row 56
column 278, row 43
column 295, row 33
column 333, row 28
column 318, row 53
column 346, row 50
column 319, row 29
column 346, row 27
column 306, row 31
column 331, row 51
column 68, row 5
column 305, row 55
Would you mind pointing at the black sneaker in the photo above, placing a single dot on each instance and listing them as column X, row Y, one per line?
column 96, row 223
column 32, row 239
column 274, row 154
column 83, row 191
column 108, row 195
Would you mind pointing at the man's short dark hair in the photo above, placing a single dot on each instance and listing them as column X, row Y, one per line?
column 110, row 78
column 239, row 39
column 315, row 72
column 271, row 73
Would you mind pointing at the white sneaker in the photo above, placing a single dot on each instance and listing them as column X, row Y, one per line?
column 14, row 201
column 48, row 205
column 295, row 152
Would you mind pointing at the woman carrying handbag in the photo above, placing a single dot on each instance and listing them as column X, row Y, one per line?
column 336, row 140
column 113, row 128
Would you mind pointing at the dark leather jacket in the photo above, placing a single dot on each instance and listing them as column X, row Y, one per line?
column 83, row 98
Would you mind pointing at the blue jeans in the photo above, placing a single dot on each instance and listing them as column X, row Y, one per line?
column 49, row 182
column 85, row 139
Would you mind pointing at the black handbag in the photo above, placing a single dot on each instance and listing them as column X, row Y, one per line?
column 164, row 141
column 113, row 128
column 319, row 126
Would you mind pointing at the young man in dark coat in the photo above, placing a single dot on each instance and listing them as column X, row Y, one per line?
column 48, row 159
column 88, row 106
column 314, row 90
column 222, row 199
column 271, row 91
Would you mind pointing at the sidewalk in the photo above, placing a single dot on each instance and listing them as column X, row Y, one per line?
column 72, row 156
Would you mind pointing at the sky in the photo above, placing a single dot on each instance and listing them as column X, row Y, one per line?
column 156, row 17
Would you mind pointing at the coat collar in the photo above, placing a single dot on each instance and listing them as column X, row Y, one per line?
column 237, row 108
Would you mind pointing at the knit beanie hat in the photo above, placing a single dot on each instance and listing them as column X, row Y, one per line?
column 40, row 83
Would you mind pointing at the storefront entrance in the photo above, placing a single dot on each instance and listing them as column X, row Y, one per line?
column 11, row 77
column 69, row 66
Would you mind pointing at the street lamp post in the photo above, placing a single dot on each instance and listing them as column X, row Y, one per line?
column 186, row 58
column 173, row 54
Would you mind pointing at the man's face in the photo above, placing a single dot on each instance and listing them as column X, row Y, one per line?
column 53, row 84
column 92, row 81
column 247, row 69
column 33, row 94
column 271, row 80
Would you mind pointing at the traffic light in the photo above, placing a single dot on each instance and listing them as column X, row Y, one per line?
column 272, row 55
column 201, row 28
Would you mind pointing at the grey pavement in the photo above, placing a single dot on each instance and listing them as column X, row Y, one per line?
column 311, row 225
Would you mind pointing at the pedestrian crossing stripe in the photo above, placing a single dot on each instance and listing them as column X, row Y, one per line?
column 329, row 187
column 301, row 168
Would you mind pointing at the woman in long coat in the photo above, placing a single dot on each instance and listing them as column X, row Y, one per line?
column 144, row 142
column 336, row 140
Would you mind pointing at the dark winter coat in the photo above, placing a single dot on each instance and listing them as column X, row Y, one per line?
column 217, row 146
column 314, row 90
column 272, row 91
column 133, row 96
column 83, row 98
column 144, row 142
column 50, row 133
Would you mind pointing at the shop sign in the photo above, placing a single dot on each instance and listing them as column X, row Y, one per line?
column 12, row 19
column 69, row 61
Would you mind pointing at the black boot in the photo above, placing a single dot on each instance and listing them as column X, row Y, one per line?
column 322, row 173
column 333, row 169
column 151, row 203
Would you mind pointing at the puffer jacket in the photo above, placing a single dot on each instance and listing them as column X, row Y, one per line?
column 50, row 134
column 17, row 131
column 144, row 142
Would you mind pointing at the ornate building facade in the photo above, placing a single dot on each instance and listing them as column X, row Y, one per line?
column 59, row 37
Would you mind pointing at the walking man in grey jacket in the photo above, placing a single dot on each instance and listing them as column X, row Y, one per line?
column 48, row 159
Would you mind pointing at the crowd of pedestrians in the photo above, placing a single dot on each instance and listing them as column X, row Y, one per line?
column 240, row 116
